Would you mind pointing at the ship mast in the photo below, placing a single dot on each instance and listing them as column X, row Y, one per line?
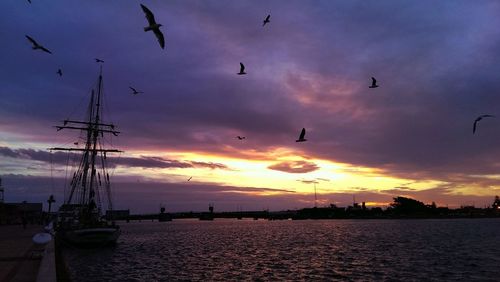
column 83, row 187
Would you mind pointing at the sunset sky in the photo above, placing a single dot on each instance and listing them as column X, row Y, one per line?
column 437, row 64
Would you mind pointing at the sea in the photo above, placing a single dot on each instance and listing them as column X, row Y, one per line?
column 302, row 250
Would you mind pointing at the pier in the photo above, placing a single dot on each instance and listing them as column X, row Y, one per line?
column 20, row 259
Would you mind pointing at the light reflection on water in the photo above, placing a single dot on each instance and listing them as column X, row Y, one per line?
column 394, row 250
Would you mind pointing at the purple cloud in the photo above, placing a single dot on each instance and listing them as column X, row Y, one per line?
column 294, row 166
column 310, row 67
column 143, row 161
column 177, row 197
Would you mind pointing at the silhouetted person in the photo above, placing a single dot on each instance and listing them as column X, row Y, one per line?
column 242, row 69
column 477, row 120
column 266, row 21
column 302, row 135
column 153, row 26
column 37, row 46
column 374, row 83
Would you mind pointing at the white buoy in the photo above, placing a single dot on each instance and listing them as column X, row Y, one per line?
column 42, row 238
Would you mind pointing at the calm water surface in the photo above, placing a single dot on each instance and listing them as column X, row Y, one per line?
column 357, row 250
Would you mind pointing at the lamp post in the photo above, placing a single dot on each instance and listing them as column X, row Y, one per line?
column 50, row 201
column 315, row 197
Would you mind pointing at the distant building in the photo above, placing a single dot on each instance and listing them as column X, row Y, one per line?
column 13, row 213
column 117, row 214
column 1, row 192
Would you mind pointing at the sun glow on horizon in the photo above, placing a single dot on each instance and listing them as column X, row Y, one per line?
column 329, row 176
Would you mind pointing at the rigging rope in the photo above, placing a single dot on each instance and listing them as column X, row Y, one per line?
column 51, row 174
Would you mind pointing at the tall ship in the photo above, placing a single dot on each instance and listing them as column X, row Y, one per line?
column 81, row 219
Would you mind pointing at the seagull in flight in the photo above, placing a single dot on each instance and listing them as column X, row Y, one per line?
column 477, row 120
column 374, row 83
column 190, row 178
column 135, row 91
column 302, row 135
column 37, row 46
column 242, row 69
column 153, row 26
column 240, row 137
column 59, row 72
column 266, row 20
column 98, row 60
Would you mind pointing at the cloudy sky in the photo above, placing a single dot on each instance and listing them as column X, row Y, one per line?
column 437, row 64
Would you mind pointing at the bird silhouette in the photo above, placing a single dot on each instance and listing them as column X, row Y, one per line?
column 302, row 135
column 153, row 26
column 374, row 83
column 29, row 1
column 59, row 72
column 240, row 137
column 37, row 46
column 266, row 20
column 477, row 120
column 190, row 178
column 135, row 92
column 98, row 60
column 242, row 69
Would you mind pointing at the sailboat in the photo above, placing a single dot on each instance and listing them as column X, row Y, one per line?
column 80, row 218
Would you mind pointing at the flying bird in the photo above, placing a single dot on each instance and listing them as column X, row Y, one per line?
column 374, row 83
column 37, row 46
column 59, row 72
column 302, row 135
column 135, row 91
column 477, row 120
column 240, row 137
column 29, row 1
column 190, row 178
column 266, row 20
column 98, row 60
column 153, row 26
column 242, row 69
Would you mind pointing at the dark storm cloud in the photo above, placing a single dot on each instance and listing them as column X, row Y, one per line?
column 36, row 155
column 210, row 165
column 308, row 181
column 404, row 188
column 313, row 181
column 151, row 162
column 436, row 63
column 143, row 161
column 157, row 162
column 294, row 166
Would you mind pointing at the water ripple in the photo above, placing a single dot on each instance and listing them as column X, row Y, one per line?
column 247, row 250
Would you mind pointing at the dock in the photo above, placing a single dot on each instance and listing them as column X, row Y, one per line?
column 20, row 259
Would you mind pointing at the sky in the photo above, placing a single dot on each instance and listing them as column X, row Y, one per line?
column 437, row 64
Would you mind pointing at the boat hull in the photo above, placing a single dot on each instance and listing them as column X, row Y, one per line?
column 91, row 237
